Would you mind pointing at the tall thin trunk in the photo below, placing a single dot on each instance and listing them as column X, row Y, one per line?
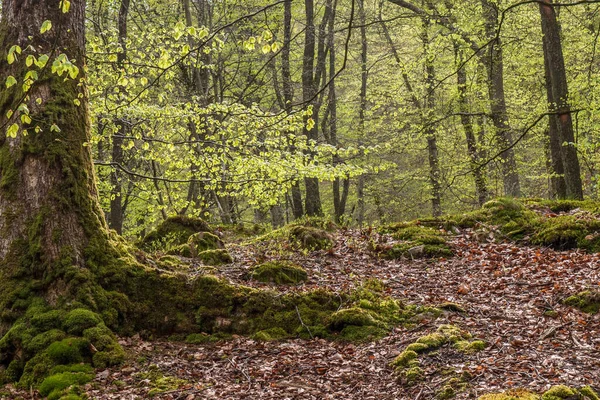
column 467, row 123
column 428, row 113
column 340, row 186
column 495, row 70
column 313, row 197
column 362, row 18
column 559, row 100
column 116, row 216
column 288, row 94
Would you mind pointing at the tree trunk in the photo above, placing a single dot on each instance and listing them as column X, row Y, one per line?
column 362, row 105
column 115, row 220
column 495, row 70
column 467, row 123
column 288, row 94
column 313, row 197
column 428, row 113
column 559, row 101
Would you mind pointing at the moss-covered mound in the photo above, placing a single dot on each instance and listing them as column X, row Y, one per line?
column 279, row 272
column 568, row 232
column 215, row 257
column 310, row 238
column 46, row 340
column 407, row 366
column 510, row 216
column 172, row 232
column 416, row 241
column 559, row 392
column 587, row 301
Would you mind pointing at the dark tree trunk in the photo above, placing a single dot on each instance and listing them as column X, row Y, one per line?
column 288, row 93
column 559, row 102
column 313, row 197
column 362, row 18
column 467, row 123
column 495, row 70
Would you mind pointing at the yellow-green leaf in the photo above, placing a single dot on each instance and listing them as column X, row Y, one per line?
column 13, row 130
column 10, row 81
column 46, row 26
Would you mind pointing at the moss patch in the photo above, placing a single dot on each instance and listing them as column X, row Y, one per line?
column 511, row 395
column 172, row 232
column 279, row 272
column 587, row 301
column 416, row 242
column 310, row 238
column 559, row 392
column 215, row 257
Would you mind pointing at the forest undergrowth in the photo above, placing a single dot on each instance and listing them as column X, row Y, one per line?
column 498, row 304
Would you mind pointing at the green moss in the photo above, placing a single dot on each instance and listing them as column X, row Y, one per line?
column 587, row 301
column 558, row 392
column 215, row 257
column 432, row 341
column 270, row 334
column 78, row 320
column 447, row 392
column 68, row 351
column 588, row 393
column 351, row 316
column 405, row 359
column 470, row 346
column 204, row 241
column 43, row 340
column 172, row 232
column 310, row 238
column 58, row 385
column 412, row 374
column 107, row 351
column 419, row 347
column 160, row 383
column 199, row 338
column 416, row 242
column 568, row 232
column 279, row 272
column 353, row 333
column 511, row 395
column 52, row 319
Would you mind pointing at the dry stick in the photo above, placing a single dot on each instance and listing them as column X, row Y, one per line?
column 303, row 324
column 241, row 370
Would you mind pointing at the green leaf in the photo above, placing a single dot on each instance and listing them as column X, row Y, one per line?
column 46, row 26
column 25, row 119
column 30, row 60
column 42, row 61
column 66, row 5
column 10, row 81
column 54, row 128
column 13, row 130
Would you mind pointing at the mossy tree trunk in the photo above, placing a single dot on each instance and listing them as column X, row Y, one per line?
column 49, row 212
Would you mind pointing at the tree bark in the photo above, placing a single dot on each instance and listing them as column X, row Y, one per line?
column 467, row 123
column 559, row 102
column 115, row 220
column 362, row 18
column 49, row 211
column 313, row 197
column 495, row 71
column 288, row 94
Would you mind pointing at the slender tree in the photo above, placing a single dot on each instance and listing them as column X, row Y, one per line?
column 559, row 101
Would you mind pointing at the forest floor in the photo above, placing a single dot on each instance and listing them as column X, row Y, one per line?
column 505, row 290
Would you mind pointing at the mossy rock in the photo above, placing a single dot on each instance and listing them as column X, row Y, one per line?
column 367, row 333
column 470, row 346
column 568, row 232
column 417, row 242
column 215, row 257
column 311, row 238
column 172, row 232
column 354, row 316
column 202, row 241
column 587, row 301
column 405, row 359
column 279, row 272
